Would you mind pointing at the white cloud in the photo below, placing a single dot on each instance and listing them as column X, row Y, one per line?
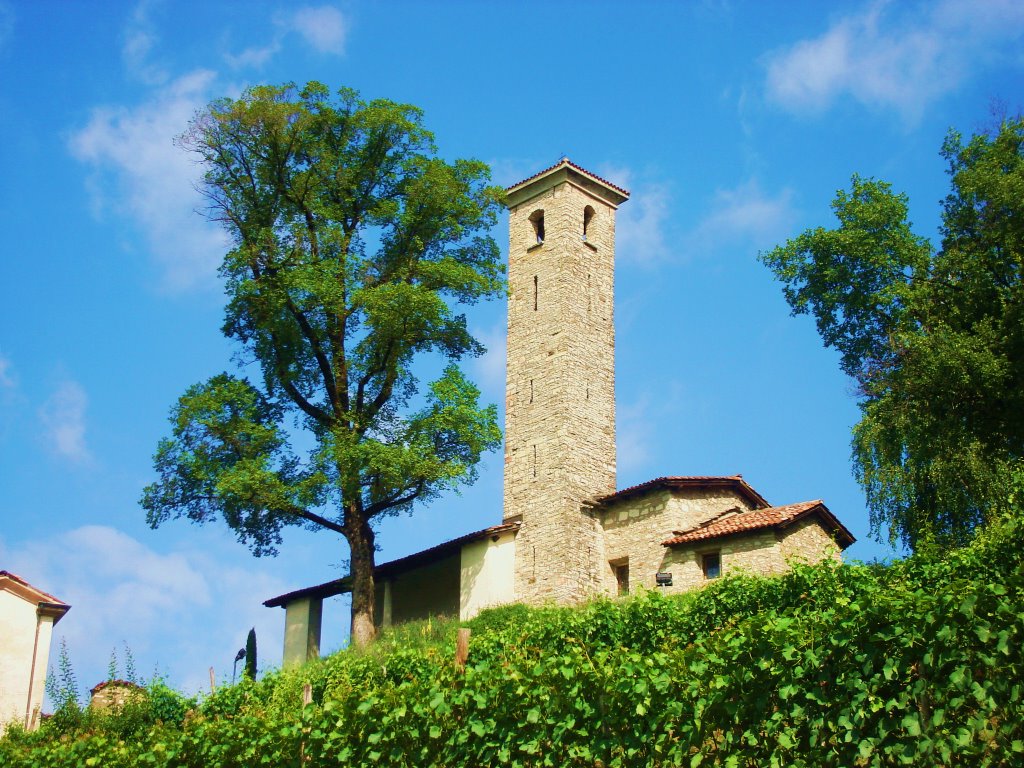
column 324, row 27
column 139, row 40
column 895, row 55
column 63, row 421
column 150, row 179
column 255, row 56
column 142, row 174
column 745, row 214
column 640, row 224
column 180, row 611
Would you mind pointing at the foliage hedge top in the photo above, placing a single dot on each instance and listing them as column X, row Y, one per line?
column 915, row 663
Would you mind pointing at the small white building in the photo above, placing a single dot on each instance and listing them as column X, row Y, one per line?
column 27, row 616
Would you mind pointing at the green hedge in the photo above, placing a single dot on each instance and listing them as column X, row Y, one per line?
column 917, row 663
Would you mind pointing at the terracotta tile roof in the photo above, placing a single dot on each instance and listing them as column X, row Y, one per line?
column 46, row 596
column 344, row 584
column 46, row 604
column 733, row 482
column 566, row 161
column 760, row 519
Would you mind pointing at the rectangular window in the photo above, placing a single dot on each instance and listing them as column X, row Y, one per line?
column 621, row 571
column 711, row 564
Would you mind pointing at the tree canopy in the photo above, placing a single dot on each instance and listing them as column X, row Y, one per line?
column 933, row 337
column 353, row 246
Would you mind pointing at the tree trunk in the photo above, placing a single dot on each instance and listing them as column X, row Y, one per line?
column 360, row 541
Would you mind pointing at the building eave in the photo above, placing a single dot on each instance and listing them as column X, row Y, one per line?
column 384, row 570
column 730, row 482
column 565, row 170
column 838, row 531
column 55, row 611
column 734, row 526
column 46, row 604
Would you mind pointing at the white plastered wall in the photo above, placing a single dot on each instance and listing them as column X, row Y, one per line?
column 18, row 624
column 487, row 574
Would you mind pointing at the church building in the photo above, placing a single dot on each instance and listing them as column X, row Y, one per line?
column 567, row 534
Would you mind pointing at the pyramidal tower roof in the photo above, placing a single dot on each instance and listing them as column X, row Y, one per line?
column 566, row 170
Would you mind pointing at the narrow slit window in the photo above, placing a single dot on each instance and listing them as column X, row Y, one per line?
column 534, row 293
column 535, row 461
column 537, row 220
column 588, row 216
column 531, row 390
column 621, row 571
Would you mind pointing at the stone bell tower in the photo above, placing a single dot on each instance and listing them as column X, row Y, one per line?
column 560, row 386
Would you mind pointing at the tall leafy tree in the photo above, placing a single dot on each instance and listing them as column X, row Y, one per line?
column 353, row 246
column 933, row 337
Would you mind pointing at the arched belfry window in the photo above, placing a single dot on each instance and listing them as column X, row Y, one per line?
column 588, row 216
column 537, row 220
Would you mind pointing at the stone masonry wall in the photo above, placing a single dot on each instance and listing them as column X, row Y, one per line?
column 757, row 552
column 764, row 553
column 560, row 399
column 635, row 528
column 807, row 541
column 114, row 694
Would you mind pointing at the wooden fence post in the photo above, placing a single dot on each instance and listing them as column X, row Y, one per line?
column 462, row 648
column 307, row 699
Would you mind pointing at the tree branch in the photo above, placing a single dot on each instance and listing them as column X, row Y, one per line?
column 307, row 407
column 394, row 501
column 321, row 359
column 315, row 518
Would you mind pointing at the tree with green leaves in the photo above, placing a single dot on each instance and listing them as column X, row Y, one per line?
column 353, row 246
column 933, row 337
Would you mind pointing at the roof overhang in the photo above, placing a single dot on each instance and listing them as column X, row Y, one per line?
column 839, row 532
column 344, row 585
column 717, row 530
column 46, row 604
column 565, row 171
column 734, row 483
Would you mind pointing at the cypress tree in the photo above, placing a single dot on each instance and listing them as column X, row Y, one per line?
column 250, row 654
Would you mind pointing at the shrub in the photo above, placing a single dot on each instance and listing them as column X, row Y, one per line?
column 914, row 663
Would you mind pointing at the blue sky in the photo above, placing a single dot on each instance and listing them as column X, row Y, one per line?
column 733, row 124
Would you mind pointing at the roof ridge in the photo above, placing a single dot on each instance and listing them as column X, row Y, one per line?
column 742, row 485
column 758, row 519
column 567, row 162
column 732, row 511
column 808, row 503
column 15, row 577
